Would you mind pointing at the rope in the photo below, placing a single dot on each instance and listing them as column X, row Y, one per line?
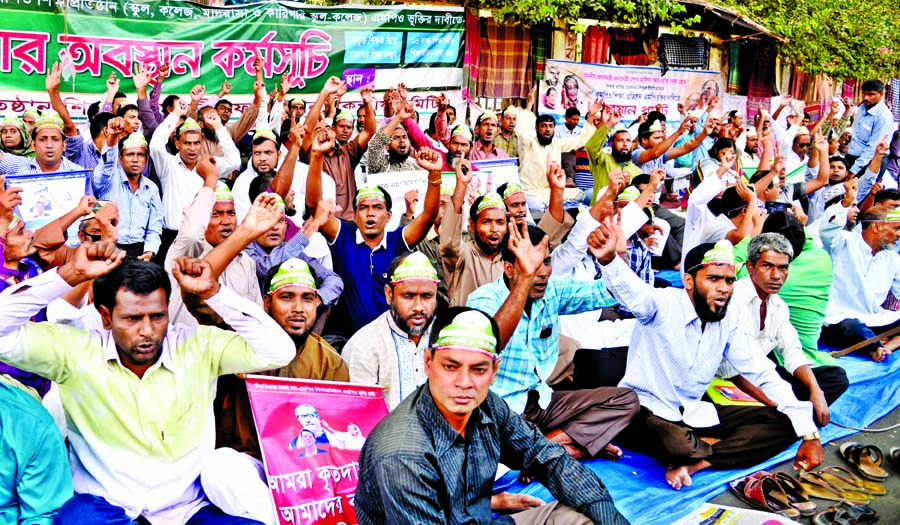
column 867, row 429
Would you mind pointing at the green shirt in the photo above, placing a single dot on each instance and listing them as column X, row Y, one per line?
column 806, row 293
column 602, row 162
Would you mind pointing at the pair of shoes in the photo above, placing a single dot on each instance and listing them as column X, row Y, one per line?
column 821, row 487
column 846, row 514
column 843, row 478
column 866, row 459
column 766, row 491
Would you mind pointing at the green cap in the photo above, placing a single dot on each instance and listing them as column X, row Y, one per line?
column 491, row 200
column 265, row 133
column 507, row 110
column 893, row 216
column 656, row 126
column 802, row 130
column 31, row 112
column 13, row 223
column 49, row 119
column 223, row 192
column 630, row 193
column 721, row 253
column 471, row 331
column 415, row 266
column 135, row 140
column 189, row 125
column 486, row 115
column 511, row 189
column 369, row 192
column 12, row 121
column 292, row 272
column 618, row 128
column 462, row 131
column 342, row 115
column 446, row 189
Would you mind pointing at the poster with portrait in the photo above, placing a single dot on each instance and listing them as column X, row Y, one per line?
column 311, row 433
column 48, row 196
column 632, row 90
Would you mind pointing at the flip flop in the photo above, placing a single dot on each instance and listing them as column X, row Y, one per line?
column 763, row 493
column 833, row 516
column 819, row 487
column 866, row 459
column 796, row 494
column 840, row 475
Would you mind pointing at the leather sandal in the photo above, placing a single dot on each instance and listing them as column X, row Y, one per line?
column 764, row 493
column 819, row 487
column 839, row 475
column 866, row 459
column 894, row 454
column 833, row 516
column 861, row 513
column 796, row 494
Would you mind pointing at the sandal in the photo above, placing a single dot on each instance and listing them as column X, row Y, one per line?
column 894, row 454
column 866, row 459
column 764, row 493
column 819, row 487
column 796, row 494
column 839, row 475
column 833, row 516
column 861, row 513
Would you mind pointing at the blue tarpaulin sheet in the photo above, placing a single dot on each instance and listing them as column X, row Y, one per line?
column 637, row 483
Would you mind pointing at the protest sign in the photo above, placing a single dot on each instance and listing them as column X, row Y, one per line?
column 48, row 196
column 310, row 433
column 364, row 45
column 630, row 90
column 494, row 173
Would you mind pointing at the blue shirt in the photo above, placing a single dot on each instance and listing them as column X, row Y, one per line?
column 364, row 273
column 82, row 152
column 871, row 125
column 416, row 468
column 140, row 212
column 531, row 353
column 14, row 165
column 35, row 479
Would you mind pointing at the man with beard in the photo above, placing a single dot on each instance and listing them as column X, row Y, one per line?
column 263, row 162
column 395, row 138
column 756, row 300
column 208, row 221
column 363, row 250
column 539, row 146
column 459, row 147
column 390, row 351
column 873, row 124
column 681, row 339
column 340, row 163
column 484, row 147
column 234, row 478
column 516, row 206
column 215, row 142
column 506, row 138
column 619, row 156
column 527, row 303
column 866, row 270
column 178, row 173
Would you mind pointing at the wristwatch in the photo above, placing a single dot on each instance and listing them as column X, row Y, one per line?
column 810, row 437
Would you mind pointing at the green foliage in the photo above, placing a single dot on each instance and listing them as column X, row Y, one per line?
column 846, row 38
column 530, row 12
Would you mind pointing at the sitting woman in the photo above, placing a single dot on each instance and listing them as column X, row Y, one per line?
column 14, row 139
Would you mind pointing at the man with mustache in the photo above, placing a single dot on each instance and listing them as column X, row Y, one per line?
column 488, row 126
column 619, row 155
column 681, row 339
column 208, row 221
column 391, row 149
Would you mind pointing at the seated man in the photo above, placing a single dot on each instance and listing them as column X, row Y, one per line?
column 527, row 304
column 866, row 270
column 390, row 350
column 767, row 322
column 452, row 432
column 234, row 478
column 685, row 335
column 150, row 384
column 36, row 479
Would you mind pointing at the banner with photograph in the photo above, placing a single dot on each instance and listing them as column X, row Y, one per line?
column 364, row 45
column 310, row 433
column 48, row 196
column 629, row 89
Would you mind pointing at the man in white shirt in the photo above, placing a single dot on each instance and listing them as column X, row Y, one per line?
column 682, row 338
column 766, row 319
column 866, row 270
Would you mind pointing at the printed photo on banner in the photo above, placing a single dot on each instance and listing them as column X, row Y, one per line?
column 630, row 90
column 48, row 196
column 311, row 433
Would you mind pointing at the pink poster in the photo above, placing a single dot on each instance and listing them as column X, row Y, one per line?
column 311, row 433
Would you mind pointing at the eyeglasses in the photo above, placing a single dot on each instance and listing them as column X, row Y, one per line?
column 803, row 144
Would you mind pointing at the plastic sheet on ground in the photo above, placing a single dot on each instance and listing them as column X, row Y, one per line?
column 637, row 482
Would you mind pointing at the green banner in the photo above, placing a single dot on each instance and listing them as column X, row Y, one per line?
column 93, row 38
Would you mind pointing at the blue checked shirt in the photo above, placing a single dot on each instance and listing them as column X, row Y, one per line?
column 140, row 212
column 15, row 165
column 530, row 355
column 416, row 468
column 83, row 152
column 870, row 126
